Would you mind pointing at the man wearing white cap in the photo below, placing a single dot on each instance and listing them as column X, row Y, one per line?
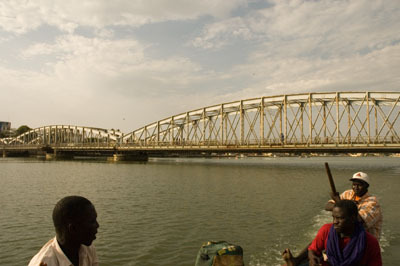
column 369, row 210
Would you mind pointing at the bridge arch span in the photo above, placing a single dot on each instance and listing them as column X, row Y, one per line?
column 299, row 120
column 66, row 135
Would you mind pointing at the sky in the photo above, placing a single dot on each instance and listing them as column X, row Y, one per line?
column 123, row 64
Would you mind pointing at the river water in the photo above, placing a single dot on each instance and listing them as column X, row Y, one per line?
column 160, row 212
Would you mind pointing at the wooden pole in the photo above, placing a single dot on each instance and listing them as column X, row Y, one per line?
column 331, row 182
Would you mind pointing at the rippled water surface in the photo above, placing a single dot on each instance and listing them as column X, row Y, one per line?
column 160, row 212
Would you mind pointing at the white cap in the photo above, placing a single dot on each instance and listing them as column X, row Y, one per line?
column 360, row 176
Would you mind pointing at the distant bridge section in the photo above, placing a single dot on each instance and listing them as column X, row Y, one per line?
column 311, row 122
column 63, row 140
column 66, row 135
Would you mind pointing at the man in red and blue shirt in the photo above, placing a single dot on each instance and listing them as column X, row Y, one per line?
column 345, row 241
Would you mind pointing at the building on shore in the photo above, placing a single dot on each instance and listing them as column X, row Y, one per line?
column 5, row 126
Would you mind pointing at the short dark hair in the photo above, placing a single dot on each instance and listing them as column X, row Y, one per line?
column 68, row 209
column 348, row 206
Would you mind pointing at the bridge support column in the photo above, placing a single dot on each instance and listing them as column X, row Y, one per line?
column 4, row 154
column 51, row 156
column 140, row 157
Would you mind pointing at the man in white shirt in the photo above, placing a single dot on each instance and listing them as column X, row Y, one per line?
column 75, row 222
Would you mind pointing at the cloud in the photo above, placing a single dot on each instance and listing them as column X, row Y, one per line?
column 21, row 16
column 36, row 50
column 312, row 28
column 375, row 71
column 90, row 74
column 337, row 27
column 298, row 46
column 220, row 34
column 118, row 66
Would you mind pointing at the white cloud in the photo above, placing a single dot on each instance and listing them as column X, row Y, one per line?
column 312, row 45
column 376, row 71
column 219, row 34
column 20, row 16
column 119, row 66
column 92, row 73
column 37, row 49
column 320, row 28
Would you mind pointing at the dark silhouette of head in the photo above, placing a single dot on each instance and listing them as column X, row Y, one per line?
column 348, row 206
column 344, row 215
column 74, row 219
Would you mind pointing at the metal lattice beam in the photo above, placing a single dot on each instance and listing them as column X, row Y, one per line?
column 345, row 118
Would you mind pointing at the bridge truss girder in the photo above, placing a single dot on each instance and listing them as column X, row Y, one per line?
column 339, row 118
column 67, row 135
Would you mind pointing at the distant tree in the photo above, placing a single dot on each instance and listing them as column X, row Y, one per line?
column 21, row 130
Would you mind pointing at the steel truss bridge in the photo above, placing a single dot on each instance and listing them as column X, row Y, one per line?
column 312, row 122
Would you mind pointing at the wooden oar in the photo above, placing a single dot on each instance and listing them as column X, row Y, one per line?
column 331, row 182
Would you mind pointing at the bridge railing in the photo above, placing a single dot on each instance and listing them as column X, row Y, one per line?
column 276, row 142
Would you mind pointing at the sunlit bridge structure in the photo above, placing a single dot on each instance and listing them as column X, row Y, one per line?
column 310, row 122
column 319, row 120
column 66, row 135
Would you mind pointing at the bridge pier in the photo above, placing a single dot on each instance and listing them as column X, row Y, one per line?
column 50, row 156
column 4, row 154
column 54, row 155
column 140, row 157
